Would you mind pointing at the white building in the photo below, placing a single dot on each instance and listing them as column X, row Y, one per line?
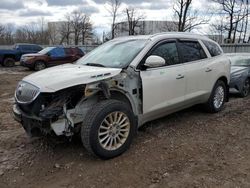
column 146, row 27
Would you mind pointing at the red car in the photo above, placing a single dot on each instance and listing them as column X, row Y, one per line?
column 51, row 56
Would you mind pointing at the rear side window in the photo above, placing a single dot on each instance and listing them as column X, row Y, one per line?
column 68, row 51
column 213, row 48
column 167, row 51
column 191, row 51
column 26, row 47
column 57, row 52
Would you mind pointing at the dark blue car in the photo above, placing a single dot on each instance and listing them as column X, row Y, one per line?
column 8, row 57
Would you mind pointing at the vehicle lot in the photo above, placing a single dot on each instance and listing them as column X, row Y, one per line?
column 187, row 149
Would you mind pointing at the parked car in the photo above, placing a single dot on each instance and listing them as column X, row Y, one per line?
column 240, row 73
column 121, row 85
column 51, row 56
column 9, row 57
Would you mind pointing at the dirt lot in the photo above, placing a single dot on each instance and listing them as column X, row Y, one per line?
column 187, row 149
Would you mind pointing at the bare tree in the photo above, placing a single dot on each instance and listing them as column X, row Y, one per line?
column 81, row 26
column 9, row 33
column 86, row 28
column 113, row 8
column 65, row 30
column 76, row 19
column 188, row 19
column 235, row 13
column 133, row 18
column 247, row 12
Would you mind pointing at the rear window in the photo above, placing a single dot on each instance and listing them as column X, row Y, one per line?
column 191, row 51
column 213, row 48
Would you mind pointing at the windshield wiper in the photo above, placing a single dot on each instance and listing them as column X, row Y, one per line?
column 95, row 64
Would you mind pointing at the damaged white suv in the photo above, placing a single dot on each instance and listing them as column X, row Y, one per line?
column 106, row 95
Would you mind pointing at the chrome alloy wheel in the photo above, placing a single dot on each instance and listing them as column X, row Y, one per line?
column 219, row 97
column 114, row 131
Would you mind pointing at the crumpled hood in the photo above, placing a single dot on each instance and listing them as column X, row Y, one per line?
column 64, row 76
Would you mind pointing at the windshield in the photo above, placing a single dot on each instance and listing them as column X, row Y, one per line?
column 240, row 61
column 46, row 50
column 115, row 54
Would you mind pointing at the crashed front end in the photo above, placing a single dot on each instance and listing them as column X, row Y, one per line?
column 45, row 113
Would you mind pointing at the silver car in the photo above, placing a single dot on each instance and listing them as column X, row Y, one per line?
column 240, row 73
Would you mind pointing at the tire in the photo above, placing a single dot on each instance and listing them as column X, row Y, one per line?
column 9, row 62
column 39, row 65
column 95, row 133
column 245, row 89
column 217, row 98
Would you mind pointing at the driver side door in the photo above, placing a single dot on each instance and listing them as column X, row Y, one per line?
column 163, row 88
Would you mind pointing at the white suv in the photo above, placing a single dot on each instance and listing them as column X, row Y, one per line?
column 106, row 95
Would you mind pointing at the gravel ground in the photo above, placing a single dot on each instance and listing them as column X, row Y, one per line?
column 187, row 149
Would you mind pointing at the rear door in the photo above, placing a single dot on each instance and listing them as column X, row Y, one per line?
column 215, row 65
column 70, row 55
column 163, row 87
column 194, row 58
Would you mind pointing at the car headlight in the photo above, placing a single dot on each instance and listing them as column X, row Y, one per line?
column 27, row 58
column 26, row 92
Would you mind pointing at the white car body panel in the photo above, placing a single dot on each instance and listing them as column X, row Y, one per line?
column 216, row 67
column 64, row 76
column 161, row 89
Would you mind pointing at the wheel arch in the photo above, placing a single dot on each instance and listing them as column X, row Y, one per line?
column 119, row 95
column 40, row 60
column 9, row 56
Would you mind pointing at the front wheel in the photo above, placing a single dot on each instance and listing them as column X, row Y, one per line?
column 245, row 89
column 217, row 98
column 108, row 129
column 39, row 65
column 9, row 62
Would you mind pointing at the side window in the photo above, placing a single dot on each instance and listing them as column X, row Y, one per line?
column 57, row 52
column 191, row 51
column 213, row 48
column 167, row 51
column 26, row 48
column 68, row 51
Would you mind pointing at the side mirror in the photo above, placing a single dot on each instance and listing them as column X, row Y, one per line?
column 154, row 61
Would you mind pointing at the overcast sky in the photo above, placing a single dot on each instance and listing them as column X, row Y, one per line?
column 21, row 12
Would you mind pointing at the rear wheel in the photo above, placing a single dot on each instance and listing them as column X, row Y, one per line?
column 108, row 129
column 245, row 89
column 217, row 98
column 9, row 62
column 39, row 65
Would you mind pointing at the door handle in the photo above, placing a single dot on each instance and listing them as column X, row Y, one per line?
column 209, row 70
column 180, row 76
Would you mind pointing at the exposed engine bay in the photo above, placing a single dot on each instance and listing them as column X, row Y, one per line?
column 63, row 112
